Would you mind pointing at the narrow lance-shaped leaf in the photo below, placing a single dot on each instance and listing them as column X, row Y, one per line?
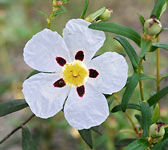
column 86, row 135
column 124, row 142
column 165, row 29
column 84, row 9
column 27, row 140
column 129, row 50
column 146, row 117
column 42, row 13
column 32, row 73
column 139, row 119
column 129, row 106
column 96, row 14
column 129, row 90
column 163, row 76
column 161, row 145
column 141, row 19
column 12, row 106
column 156, row 97
column 158, row 8
column 155, row 114
column 118, row 29
column 60, row 11
column 145, row 46
column 161, row 45
column 140, row 144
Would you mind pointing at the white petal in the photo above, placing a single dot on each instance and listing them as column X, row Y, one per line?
column 78, row 36
column 44, row 99
column 41, row 51
column 88, row 111
column 113, row 72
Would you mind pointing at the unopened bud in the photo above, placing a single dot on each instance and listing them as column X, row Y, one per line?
column 106, row 15
column 157, row 130
column 152, row 26
column 94, row 16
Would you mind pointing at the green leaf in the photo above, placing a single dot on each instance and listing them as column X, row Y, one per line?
column 140, row 144
column 27, row 140
column 145, row 46
column 146, row 117
column 161, row 146
column 144, row 76
column 124, row 142
column 158, row 8
column 33, row 73
column 118, row 29
column 156, row 97
column 96, row 14
column 165, row 29
column 129, row 50
column 86, row 135
column 42, row 13
column 84, row 9
column 97, row 130
column 129, row 90
column 139, row 119
column 12, row 106
column 60, row 11
column 141, row 19
column 161, row 45
column 155, row 114
column 129, row 106
column 164, row 76
column 110, row 101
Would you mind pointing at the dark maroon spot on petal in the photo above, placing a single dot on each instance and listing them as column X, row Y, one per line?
column 61, row 61
column 79, row 55
column 59, row 83
column 81, row 90
column 93, row 73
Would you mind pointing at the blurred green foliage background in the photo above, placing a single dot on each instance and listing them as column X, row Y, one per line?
column 19, row 20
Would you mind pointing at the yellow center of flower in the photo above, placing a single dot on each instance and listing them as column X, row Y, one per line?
column 75, row 73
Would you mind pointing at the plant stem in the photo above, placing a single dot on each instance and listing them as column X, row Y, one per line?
column 55, row 6
column 140, row 82
column 132, row 123
column 128, row 116
column 158, row 71
column 16, row 129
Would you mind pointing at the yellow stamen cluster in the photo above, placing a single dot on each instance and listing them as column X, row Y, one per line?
column 75, row 73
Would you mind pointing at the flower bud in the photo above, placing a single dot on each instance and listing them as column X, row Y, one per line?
column 157, row 130
column 106, row 15
column 152, row 26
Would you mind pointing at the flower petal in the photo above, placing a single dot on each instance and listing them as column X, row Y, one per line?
column 44, row 99
column 79, row 37
column 41, row 51
column 87, row 111
column 113, row 72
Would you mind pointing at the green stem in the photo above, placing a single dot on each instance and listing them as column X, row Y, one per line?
column 158, row 71
column 140, row 82
column 115, row 95
column 55, row 6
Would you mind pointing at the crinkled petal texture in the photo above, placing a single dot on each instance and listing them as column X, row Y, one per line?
column 43, row 98
column 113, row 72
column 78, row 36
column 88, row 111
column 41, row 51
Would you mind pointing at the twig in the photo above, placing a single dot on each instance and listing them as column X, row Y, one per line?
column 158, row 71
column 140, row 82
column 128, row 116
column 16, row 129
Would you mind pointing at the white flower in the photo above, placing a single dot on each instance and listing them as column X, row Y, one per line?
column 73, row 78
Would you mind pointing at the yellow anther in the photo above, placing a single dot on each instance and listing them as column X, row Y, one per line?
column 75, row 73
